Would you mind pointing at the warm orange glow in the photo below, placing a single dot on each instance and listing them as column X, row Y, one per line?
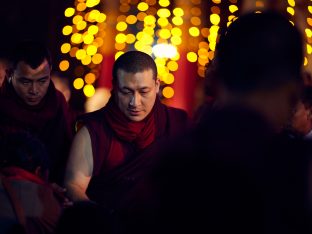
column 97, row 58
column 89, row 78
column 64, row 65
column 131, row 19
column 168, row 92
column 81, row 6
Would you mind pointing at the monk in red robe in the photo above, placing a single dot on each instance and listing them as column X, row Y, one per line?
column 30, row 102
column 111, row 148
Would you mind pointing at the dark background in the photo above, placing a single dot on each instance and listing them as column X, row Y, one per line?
column 41, row 20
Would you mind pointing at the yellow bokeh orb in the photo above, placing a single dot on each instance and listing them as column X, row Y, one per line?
column 78, row 83
column 65, row 48
column 130, row 38
column 173, row 65
column 194, row 31
column 176, row 40
column 149, row 20
column 163, row 22
column 178, row 11
column 191, row 57
column 233, row 8
column 101, row 18
column 214, row 19
column 169, row 78
column 81, row 54
column 91, row 50
column 118, row 54
column 93, row 29
column 81, row 25
column 69, row 12
column 67, row 30
column 305, row 63
column 121, row 26
column 92, row 3
column 77, row 19
column 164, row 3
column 142, row 6
column 292, row 3
column 164, row 33
column 291, row 10
column 88, row 39
column 76, row 38
column 88, row 90
column 120, row 38
column 168, row 92
column 177, row 20
column 86, row 60
column 163, row 12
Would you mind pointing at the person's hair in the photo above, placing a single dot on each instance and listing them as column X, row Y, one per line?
column 133, row 62
column 23, row 150
column 259, row 50
column 33, row 53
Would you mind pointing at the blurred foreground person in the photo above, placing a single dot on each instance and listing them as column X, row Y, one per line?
column 27, row 201
column 235, row 173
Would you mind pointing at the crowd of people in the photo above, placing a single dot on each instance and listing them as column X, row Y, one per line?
column 241, row 165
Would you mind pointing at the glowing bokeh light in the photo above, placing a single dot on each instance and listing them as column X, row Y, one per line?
column 164, row 50
column 78, row 83
column 64, row 65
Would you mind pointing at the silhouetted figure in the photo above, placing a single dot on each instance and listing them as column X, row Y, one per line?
column 234, row 173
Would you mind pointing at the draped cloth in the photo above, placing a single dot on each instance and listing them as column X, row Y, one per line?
column 121, row 148
column 142, row 133
column 50, row 121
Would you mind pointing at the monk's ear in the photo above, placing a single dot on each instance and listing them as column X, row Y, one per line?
column 157, row 83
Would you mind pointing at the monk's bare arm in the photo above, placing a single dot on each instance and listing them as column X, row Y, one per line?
column 80, row 166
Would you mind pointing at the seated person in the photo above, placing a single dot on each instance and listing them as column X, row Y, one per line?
column 27, row 201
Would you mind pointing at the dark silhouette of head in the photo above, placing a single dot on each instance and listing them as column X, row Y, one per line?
column 23, row 150
column 260, row 51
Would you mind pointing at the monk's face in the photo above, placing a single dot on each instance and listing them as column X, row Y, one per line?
column 136, row 93
column 31, row 85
